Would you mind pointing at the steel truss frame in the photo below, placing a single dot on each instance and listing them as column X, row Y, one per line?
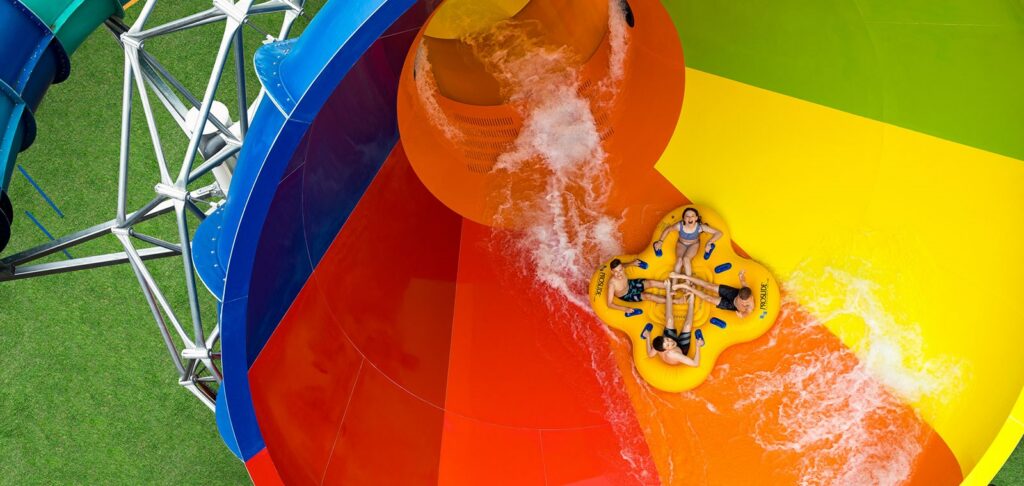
column 193, row 351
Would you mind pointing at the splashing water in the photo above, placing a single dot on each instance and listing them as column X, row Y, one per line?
column 823, row 413
column 618, row 38
column 560, row 186
column 845, row 425
column 426, row 87
column 890, row 350
column 843, row 415
column 846, row 414
column 557, row 163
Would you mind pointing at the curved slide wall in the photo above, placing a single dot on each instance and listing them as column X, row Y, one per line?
column 382, row 323
column 37, row 38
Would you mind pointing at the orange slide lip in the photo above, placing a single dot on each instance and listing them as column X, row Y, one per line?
column 643, row 114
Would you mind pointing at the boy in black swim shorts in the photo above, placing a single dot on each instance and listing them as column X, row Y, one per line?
column 674, row 347
column 740, row 300
column 630, row 290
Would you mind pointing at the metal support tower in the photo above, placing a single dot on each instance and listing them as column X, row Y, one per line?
column 193, row 348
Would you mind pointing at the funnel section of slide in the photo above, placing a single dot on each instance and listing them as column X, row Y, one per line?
column 36, row 39
column 416, row 215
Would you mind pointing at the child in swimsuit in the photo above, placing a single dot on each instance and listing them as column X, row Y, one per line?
column 740, row 300
column 689, row 228
column 674, row 346
column 630, row 290
column 634, row 290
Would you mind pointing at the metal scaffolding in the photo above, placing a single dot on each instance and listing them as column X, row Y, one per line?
column 212, row 137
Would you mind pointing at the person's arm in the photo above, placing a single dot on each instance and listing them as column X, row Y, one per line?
column 636, row 263
column 612, row 304
column 749, row 309
column 743, row 283
column 688, row 361
column 650, row 349
column 661, row 239
column 670, row 319
column 696, row 354
column 715, row 235
column 688, row 324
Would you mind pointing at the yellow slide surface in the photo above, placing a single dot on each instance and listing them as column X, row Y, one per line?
column 935, row 226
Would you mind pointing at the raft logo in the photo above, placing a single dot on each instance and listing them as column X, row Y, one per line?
column 764, row 299
column 600, row 282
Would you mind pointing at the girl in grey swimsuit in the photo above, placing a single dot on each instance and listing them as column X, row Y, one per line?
column 689, row 241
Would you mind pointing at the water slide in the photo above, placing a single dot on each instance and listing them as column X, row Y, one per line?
column 403, row 260
column 405, row 242
column 38, row 38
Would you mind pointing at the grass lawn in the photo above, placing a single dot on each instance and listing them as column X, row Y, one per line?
column 1012, row 473
column 88, row 394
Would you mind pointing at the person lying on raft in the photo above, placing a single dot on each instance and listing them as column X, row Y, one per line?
column 690, row 228
column 673, row 347
column 723, row 296
column 631, row 290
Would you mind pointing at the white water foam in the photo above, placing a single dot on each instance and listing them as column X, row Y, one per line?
column 845, row 425
column 891, row 349
column 844, row 417
column 618, row 38
column 426, row 87
column 563, row 184
column 847, row 417
column 557, row 162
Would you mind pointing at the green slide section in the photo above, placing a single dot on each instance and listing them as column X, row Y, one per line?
column 949, row 68
column 73, row 20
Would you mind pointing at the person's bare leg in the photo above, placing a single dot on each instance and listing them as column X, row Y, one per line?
column 680, row 257
column 654, row 284
column 657, row 299
column 695, row 281
column 689, row 313
column 670, row 320
column 691, row 251
column 701, row 295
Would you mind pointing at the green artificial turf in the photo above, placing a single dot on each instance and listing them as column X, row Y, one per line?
column 1012, row 473
column 88, row 394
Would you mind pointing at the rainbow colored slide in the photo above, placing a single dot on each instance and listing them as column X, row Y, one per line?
column 403, row 259
column 384, row 323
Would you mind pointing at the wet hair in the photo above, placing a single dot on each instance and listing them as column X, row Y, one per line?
column 658, row 343
column 699, row 219
column 744, row 293
column 615, row 263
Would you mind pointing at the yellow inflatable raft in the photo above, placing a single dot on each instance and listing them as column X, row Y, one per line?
column 721, row 328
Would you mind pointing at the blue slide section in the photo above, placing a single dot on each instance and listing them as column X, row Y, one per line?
column 33, row 59
column 304, row 79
